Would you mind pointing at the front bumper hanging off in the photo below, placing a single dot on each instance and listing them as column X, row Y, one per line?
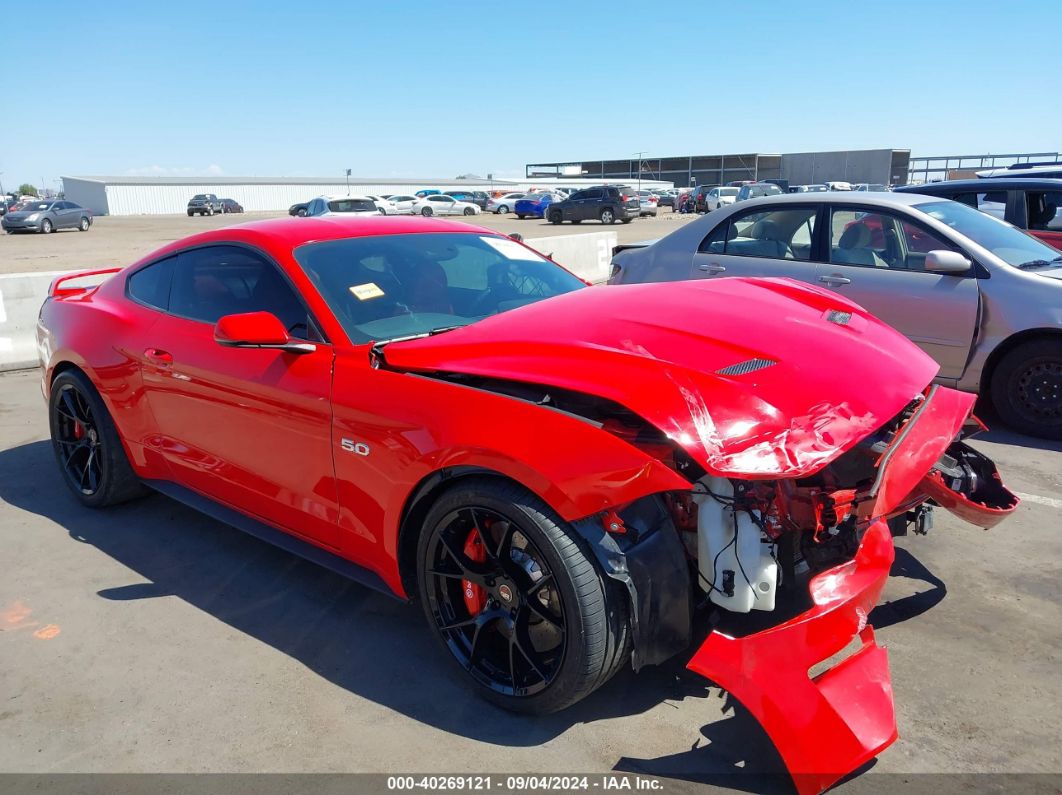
column 826, row 726
column 823, row 727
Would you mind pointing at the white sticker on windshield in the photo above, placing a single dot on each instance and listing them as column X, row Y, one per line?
column 363, row 292
column 510, row 249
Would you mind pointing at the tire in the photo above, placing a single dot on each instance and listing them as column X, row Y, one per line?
column 210, row 211
column 469, row 211
column 382, row 210
column 301, row 213
column 83, row 224
column 46, row 227
column 1026, row 388
column 520, row 216
column 95, row 450
column 577, row 220
column 608, row 216
column 191, row 213
column 592, row 635
column 556, row 218
column 426, row 211
column 626, row 220
column 503, row 210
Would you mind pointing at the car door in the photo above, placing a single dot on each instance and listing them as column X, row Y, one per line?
column 444, row 205
column 250, row 428
column 761, row 242
column 876, row 258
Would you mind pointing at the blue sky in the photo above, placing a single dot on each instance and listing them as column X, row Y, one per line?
column 436, row 89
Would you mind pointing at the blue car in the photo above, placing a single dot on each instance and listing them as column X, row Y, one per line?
column 534, row 204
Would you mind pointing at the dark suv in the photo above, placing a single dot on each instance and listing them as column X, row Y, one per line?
column 1028, row 203
column 204, row 204
column 607, row 204
column 476, row 197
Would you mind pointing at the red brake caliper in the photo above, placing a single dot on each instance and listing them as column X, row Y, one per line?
column 475, row 596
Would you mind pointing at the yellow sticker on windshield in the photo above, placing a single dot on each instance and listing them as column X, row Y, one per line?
column 363, row 292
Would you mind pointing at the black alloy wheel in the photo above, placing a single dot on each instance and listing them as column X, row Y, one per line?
column 494, row 602
column 77, row 440
column 516, row 599
column 86, row 444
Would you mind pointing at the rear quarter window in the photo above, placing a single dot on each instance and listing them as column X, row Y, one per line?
column 151, row 285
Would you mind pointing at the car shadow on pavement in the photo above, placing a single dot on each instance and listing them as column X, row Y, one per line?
column 365, row 642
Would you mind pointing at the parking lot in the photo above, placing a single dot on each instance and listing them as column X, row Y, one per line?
column 148, row 638
column 120, row 240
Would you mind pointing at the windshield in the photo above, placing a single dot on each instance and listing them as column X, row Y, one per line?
column 352, row 206
column 1007, row 242
column 390, row 286
column 729, row 191
column 197, row 197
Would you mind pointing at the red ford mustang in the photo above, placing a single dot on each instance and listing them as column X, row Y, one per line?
column 559, row 474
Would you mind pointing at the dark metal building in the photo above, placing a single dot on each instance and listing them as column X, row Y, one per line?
column 884, row 166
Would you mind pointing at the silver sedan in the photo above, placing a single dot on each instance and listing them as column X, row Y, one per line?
column 980, row 296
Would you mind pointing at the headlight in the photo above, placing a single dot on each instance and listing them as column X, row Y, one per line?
column 33, row 216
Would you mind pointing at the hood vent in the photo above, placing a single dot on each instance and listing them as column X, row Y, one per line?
column 743, row 368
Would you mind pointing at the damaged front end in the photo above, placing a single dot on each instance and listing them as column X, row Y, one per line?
column 833, row 531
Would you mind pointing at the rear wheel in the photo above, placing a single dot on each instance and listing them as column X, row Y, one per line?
column 86, row 444
column 210, row 211
column 469, row 211
column 607, row 216
column 1026, row 388
column 521, row 216
column 426, row 211
column 515, row 597
column 502, row 210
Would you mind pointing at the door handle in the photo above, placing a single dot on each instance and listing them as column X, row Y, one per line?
column 835, row 280
column 158, row 357
column 714, row 267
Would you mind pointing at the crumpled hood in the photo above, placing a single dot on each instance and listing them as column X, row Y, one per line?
column 753, row 377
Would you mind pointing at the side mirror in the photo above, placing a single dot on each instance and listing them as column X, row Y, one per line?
column 943, row 261
column 257, row 330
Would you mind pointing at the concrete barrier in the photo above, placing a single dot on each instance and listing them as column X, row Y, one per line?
column 588, row 255
column 21, row 294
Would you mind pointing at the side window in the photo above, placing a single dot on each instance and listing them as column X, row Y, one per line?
column 778, row 234
column 214, row 281
column 151, row 285
column 716, row 240
column 579, row 194
column 1043, row 210
column 595, row 193
column 880, row 240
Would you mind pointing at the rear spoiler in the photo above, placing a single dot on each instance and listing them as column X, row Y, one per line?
column 57, row 290
column 625, row 246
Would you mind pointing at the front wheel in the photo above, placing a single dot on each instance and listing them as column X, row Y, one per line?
column 86, row 444
column 515, row 597
column 501, row 210
column 46, row 227
column 1026, row 388
column 556, row 218
column 426, row 211
column 83, row 224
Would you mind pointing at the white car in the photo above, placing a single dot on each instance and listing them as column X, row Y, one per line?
column 385, row 206
column 441, row 204
column 403, row 204
column 324, row 206
column 504, row 204
column 720, row 197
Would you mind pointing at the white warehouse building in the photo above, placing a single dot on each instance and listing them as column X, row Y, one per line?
column 117, row 195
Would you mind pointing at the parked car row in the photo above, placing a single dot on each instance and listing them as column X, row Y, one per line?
column 209, row 204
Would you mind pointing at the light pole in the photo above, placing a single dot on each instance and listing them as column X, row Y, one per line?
column 348, row 181
column 639, row 156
